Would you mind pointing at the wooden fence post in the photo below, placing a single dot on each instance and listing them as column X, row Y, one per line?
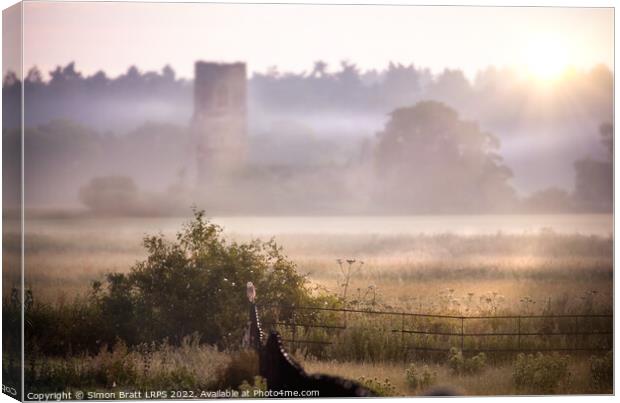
column 576, row 336
column 462, row 332
column 402, row 336
column 519, row 333
column 294, row 331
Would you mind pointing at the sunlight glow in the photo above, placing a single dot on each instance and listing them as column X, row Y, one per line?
column 546, row 58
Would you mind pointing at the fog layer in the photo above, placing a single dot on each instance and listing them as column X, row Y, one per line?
column 399, row 140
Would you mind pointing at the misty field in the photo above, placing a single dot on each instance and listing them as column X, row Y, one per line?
column 473, row 270
column 407, row 270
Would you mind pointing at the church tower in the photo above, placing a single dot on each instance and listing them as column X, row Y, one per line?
column 219, row 123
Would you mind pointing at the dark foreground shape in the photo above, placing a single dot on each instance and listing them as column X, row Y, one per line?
column 283, row 373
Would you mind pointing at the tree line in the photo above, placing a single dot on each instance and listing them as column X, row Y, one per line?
column 498, row 98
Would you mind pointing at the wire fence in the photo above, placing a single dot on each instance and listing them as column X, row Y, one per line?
column 323, row 326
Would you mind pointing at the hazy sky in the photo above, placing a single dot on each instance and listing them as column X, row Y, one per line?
column 113, row 36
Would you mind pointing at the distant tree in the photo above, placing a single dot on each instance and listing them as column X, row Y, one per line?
column 551, row 200
column 11, row 102
column 349, row 73
column 97, row 82
column 401, row 85
column 594, row 178
column 168, row 73
column 607, row 138
column 62, row 155
column 319, row 70
column 111, row 195
column 10, row 79
column 429, row 160
column 34, row 76
column 451, row 86
column 62, row 75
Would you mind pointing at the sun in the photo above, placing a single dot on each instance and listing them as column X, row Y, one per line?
column 546, row 58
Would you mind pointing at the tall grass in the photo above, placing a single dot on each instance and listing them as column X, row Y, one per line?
column 495, row 379
column 155, row 367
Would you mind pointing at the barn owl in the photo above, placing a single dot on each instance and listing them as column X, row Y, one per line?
column 251, row 291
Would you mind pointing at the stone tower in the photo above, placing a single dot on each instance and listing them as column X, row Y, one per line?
column 219, row 121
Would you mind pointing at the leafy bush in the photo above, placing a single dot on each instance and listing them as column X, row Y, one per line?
column 540, row 373
column 379, row 388
column 196, row 284
column 466, row 366
column 602, row 371
column 420, row 378
column 67, row 327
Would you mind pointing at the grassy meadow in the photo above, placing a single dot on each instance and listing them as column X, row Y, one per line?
column 407, row 271
column 476, row 273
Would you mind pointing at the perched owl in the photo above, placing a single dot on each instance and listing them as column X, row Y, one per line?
column 251, row 291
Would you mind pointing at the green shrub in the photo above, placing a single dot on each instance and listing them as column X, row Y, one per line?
column 196, row 284
column 66, row 327
column 466, row 366
column 602, row 371
column 540, row 373
column 379, row 388
column 420, row 378
column 193, row 284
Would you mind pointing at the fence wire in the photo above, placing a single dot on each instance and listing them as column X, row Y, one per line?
column 440, row 333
